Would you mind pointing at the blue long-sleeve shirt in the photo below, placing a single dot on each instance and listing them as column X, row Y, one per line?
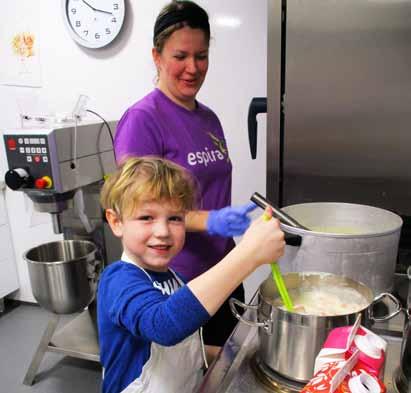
column 134, row 311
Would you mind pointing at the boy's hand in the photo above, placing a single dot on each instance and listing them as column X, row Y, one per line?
column 230, row 221
column 264, row 240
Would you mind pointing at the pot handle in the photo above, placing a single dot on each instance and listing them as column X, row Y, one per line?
column 292, row 240
column 234, row 302
column 378, row 299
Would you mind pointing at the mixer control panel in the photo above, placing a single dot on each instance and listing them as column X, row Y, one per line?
column 31, row 154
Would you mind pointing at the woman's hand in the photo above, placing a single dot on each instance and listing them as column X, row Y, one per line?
column 230, row 221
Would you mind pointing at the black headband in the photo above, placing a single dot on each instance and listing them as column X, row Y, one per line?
column 195, row 18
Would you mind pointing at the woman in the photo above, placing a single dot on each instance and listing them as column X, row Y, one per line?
column 170, row 122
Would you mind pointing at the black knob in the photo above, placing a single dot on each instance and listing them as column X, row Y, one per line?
column 18, row 178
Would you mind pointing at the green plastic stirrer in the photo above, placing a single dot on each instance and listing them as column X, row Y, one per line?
column 279, row 281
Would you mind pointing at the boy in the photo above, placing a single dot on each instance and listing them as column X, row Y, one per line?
column 148, row 319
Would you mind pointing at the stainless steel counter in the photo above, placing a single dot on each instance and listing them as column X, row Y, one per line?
column 232, row 372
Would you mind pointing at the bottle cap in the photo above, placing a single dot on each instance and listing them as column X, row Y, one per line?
column 369, row 345
column 364, row 383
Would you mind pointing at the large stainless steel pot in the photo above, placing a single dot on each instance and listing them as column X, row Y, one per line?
column 290, row 342
column 63, row 274
column 366, row 252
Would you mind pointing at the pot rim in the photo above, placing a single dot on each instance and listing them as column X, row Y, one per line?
column 304, row 232
column 86, row 257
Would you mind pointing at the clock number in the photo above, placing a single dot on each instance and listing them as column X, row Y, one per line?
column 73, row 11
column 97, row 35
column 108, row 31
column 114, row 20
column 78, row 23
column 115, row 6
column 85, row 32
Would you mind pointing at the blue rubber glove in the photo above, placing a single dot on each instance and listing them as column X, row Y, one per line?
column 230, row 221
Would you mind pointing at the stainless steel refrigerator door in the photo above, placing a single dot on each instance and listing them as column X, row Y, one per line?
column 347, row 104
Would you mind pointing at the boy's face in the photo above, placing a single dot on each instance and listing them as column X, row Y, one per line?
column 153, row 235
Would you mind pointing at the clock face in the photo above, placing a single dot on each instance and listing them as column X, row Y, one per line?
column 94, row 23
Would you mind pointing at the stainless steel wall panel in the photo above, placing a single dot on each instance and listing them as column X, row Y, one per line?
column 273, row 99
column 347, row 133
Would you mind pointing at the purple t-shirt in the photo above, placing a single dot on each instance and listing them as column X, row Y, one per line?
column 194, row 139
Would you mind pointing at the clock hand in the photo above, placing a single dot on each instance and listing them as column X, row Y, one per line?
column 96, row 9
column 103, row 11
column 85, row 2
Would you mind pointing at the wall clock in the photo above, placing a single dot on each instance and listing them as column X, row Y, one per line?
column 94, row 23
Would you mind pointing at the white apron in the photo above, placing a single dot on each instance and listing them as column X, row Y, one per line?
column 176, row 369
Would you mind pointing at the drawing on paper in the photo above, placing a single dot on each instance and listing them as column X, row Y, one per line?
column 23, row 45
column 21, row 65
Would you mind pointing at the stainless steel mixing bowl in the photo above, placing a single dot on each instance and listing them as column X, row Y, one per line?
column 63, row 274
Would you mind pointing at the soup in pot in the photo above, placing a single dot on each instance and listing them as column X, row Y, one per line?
column 325, row 300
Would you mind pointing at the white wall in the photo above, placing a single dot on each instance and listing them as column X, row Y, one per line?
column 8, row 274
column 117, row 76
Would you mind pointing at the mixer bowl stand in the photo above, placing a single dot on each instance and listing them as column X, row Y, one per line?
column 78, row 339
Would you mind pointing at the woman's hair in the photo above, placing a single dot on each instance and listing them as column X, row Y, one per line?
column 175, row 16
column 147, row 179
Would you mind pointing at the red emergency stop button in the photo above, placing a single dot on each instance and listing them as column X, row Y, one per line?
column 43, row 182
column 11, row 143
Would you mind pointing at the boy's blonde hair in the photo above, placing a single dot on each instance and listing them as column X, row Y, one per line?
column 146, row 179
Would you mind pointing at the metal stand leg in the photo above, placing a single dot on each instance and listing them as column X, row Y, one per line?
column 41, row 350
column 78, row 338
